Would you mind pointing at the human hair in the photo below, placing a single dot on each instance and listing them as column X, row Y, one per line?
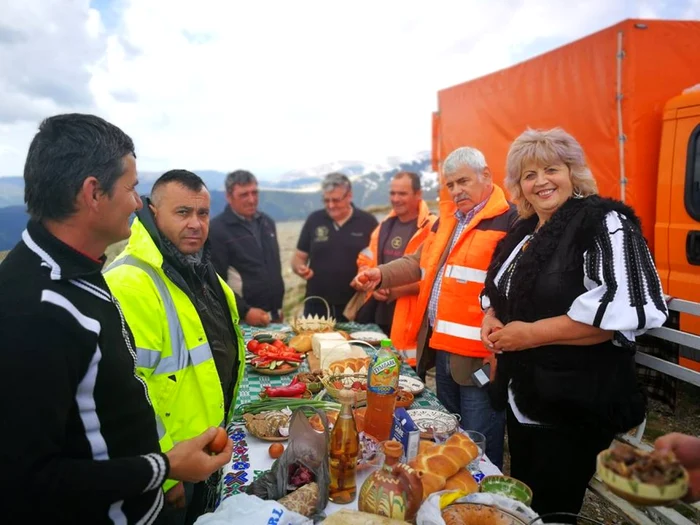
column 415, row 179
column 185, row 178
column 335, row 180
column 239, row 177
column 464, row 156
column 546, row 147
column 66, row 150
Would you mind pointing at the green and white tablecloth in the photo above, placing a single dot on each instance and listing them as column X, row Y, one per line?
column 254, row 383
column 250, row 456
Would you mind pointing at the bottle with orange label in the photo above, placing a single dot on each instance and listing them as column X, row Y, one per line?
column 382, row 389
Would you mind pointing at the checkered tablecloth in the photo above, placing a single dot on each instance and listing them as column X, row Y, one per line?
column 250, row 454
column 254, row 383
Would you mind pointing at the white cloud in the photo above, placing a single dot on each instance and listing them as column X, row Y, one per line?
column 272, row 86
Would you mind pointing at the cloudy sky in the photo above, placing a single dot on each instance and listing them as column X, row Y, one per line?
column 270, row 86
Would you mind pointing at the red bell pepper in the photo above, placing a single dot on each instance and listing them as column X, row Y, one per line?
column 293, row 389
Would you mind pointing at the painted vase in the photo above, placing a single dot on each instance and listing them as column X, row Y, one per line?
column 394, row 490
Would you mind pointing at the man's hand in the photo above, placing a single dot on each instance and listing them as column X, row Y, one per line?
column 175, row 497
column 382, row 294
column 304, row 272
column 190, row 460
column 367, row 280
column 512, row 337
column 687, row 450
column 257, row 317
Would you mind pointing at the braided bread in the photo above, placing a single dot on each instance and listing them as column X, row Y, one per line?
column 436, row 464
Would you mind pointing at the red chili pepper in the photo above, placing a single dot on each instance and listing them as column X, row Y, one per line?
column 293, row 389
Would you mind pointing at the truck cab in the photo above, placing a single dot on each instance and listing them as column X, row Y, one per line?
column 677, row 228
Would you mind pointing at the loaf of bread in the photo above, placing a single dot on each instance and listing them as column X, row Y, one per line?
column 463, row 481
column 436, row 464
column 352, row 365
column 462, row 513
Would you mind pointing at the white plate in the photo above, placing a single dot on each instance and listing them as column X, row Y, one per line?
column 429, row 421
column 373, row 338
column 414, row 385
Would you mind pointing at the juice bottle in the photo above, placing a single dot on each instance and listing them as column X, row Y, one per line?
column 382, row 388
column 344, row 449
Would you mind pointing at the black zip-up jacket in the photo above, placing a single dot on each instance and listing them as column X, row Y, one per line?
column 79, row 442
column 233, row 243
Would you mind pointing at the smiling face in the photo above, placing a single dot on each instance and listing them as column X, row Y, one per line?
column 546, row 187
column 468, row 188
column 404, row 200
column 182, row 216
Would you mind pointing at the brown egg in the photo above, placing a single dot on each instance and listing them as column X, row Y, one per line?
column 276, row 450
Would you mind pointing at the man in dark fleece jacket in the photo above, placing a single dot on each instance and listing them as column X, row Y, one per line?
column 80, row 440
column 245, row 239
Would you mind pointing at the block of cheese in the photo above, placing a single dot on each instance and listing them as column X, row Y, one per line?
column 334, row 351
column 316, row 340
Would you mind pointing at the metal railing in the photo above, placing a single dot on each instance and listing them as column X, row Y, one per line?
column 680, row 513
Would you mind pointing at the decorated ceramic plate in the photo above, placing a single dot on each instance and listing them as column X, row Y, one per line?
column 433, row 421
column 373, row 338
column 414, row 385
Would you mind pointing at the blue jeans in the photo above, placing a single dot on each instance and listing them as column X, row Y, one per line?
column 474, row 407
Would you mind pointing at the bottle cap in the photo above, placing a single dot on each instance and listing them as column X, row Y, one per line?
column 386, row 343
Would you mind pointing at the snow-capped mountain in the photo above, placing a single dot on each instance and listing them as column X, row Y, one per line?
column 370, row 180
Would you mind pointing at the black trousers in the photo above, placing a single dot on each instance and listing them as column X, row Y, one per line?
column 556, row 463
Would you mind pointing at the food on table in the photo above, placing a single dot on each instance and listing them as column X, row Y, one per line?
column 312, row 380
column 404, row 398
column 275, row 450
column 274, row 355
column 355, row 517
column 283, row 403
column 318, row 340
column 300, row 475
column 463, row 481
column 294, row 389
column 303, row 500
column 301, row 343
column 317, row 424
column 461, row 513
column 436, row 464
column 645, row 478
column 344, row 334
column 266, row 424
column 350, row 365
column 218, row 444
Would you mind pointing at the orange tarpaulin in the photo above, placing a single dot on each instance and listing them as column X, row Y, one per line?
column 576, row 87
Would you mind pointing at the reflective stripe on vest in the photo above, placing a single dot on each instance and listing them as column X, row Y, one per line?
column 367, row 253
column 181, row 358
column 464, row 274
column 463, row 331
column 160, row 426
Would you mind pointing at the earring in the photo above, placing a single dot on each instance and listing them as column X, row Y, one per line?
column 577, row 194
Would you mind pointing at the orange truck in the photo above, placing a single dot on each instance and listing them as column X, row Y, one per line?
column 631, row 95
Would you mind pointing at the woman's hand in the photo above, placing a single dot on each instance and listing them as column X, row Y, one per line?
column 489, row 325
column 512, row 337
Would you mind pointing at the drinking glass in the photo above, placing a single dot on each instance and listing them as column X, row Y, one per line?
column 480, row 441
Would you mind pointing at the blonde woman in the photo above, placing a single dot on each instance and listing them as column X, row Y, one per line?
column 568, row 290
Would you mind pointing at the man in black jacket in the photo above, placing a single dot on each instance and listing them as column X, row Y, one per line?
column 245, row 239
column 80, row 439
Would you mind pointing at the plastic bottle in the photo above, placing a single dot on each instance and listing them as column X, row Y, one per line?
column 344, row 449
column 382, row 389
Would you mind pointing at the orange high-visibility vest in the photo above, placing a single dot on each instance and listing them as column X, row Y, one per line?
column 405, row 307
column 457, row 326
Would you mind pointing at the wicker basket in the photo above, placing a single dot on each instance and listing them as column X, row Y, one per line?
column 347, row 380
column 312, row 324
